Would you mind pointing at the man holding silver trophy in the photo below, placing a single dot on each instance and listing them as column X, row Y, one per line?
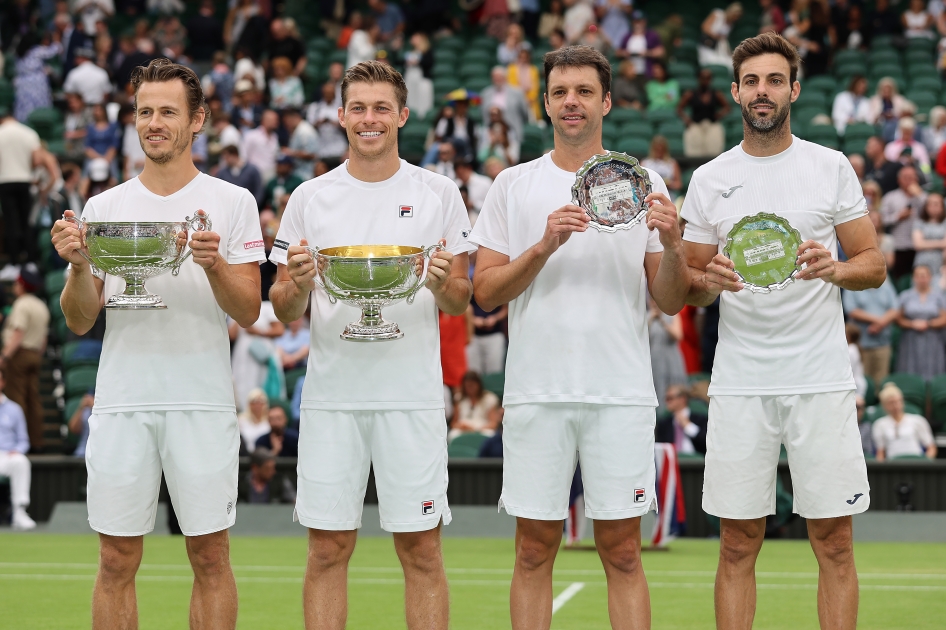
column 365, row 233
column 579, row 384
column 164, row 395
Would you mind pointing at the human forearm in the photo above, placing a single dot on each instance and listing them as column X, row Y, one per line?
column 289, row 301
column 866, row 270
column 81, row 299
column 861, row 315
column 671, row 285
column 501, row 284
column 931, row 451
column 237, row 295
column 455, row 296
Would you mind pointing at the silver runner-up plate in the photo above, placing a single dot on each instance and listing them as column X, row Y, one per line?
column 611, row 188
column 764, row 250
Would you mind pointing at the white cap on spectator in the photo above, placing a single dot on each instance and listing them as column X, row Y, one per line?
column 243, row 85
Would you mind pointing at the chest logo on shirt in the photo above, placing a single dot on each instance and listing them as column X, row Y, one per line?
column 728, row 194
column 405, row 211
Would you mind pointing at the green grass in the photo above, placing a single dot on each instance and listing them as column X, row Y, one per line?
column 46, row 581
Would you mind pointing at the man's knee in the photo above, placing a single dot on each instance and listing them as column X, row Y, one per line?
column 537, row 542
column 420, row 551
column 740, row 540
column 328, row 549
column 618, row 544
column 209, row 554
column 832, row 540
column 119, row 557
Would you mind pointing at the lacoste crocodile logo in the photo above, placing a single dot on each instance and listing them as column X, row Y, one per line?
column 728, row 194
column 854, row 500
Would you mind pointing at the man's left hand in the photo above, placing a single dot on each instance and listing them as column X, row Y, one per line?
column 662, row 216
column 439, row 270
column 820, row 263
column 206, row 247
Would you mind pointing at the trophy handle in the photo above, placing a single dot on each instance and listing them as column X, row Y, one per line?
column 319, row 280
column 79, row 223
column 198, row 223
column 428, row 252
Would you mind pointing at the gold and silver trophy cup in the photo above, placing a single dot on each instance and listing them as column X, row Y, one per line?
column 371, row 277
column 135, row 252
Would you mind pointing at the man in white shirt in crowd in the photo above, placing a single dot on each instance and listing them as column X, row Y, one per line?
column 261, row 145
column 14, row 443
column 476, row 185
column 510, row 99
column 374, row 405
column 782, row 373
column 88, row 79
column 573, row 393
column 303, row 143
column 163, row 406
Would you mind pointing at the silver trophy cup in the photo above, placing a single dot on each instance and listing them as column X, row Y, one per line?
column 136, row 252
column 371, row 277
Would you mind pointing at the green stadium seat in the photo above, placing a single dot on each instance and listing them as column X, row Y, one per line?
column 698, row 377
column 477, row 84
column 844, row 71
column 870, row 396
column 480, row 56
column 903, row 283
column 698, row 406
column 71, row 405
column 76, row 353
column 677, row 69
column 533, row 143
column 719, row 71
column 635, row 146
column 924, row 101
column 938, row 403
column 920, row 44
column 658, row 116
column 55, row 280
column 291, row 377
column 821, row 83
column 474, row 70
column 926, row 84
column 671, row 128
column 845, row 54
column 622, row 115
column 922, row 72
column 6, row 93
column 675, row 145
column 685, row 178
column 338, row 56
column 639, row 129
column 854, row 145
column 495, row 383
column 804, row 115
column 882, row 70
column 918, row 57
column 685, row 51
column 914, row 388
column 811, row 98
column 466, row 445
column 79, row 380
column 687, row 83
column 451, row 42
column 883, row 55
column 859, row 130
column 723, row 84
column 55, row 308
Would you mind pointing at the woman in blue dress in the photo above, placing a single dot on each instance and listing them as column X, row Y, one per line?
column 31, row 83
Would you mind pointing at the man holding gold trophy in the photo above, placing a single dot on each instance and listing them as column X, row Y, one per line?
column 164, row 395
column 764, row 222
column 366, row 233
column 579, row 384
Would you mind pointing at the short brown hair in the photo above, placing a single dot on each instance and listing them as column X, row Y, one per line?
column 578, row 56
column 375, row 72
column 162, row 70
column 763, row 44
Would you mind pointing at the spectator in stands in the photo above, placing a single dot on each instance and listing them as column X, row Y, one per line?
column 771, row 18
column 934, row 134
column 579, row 14
column 31, row 83
column 666, row 360
column 851, row 105
column 907, row 142
column 246, row 67
column 552, row 20
column 613, row 20
column 680, row 426
column 13, row 462
column 285, row 42
column 486, row 352
column 292, row 346
column 20, row 152
column 261, row 145
column 498, row 145
column 205, row 35
column 900, row 434
column 476, row 185
column 714, row 35
column 262, row 484
column 136, row 53
column 446, row 155
column 662, row 91
column 25, row 331
column 252, row 350
column 815, row 44
column 899, row 209
column 878, row 168
column 888, row 247
column 88, row 79
column 132, row 155
column 75, row 124
column 873, row 311
column 929, row 233
column 234, row 170
column 303, row 143
column 887, row 107
column 454, row 125
column 523, row 74
column 281, row 441
column 867, row 441
column 922, row 318
column 704, row 135
column 493, row 167
column 642, row 46
column 102, row 141
column 507, row 52
column 219, row 82
column 78, row 423
column 593, row 38
column 853, row 336
column 917, row 21
column 418, row 75
column 323, row 115
column 254, row 421
column 363, row 44
column 475, row 411
column 281, row 186
column 247, row 111
column 660, row 161
column 628, row 88
column 67, row 197
column 390, row 20
column 510, row 100
column 849, row 27
column 285, row 89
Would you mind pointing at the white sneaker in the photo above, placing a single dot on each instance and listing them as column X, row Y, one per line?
column 22, row 521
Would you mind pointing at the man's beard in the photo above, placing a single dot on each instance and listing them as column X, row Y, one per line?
column 769, row 124
column 178, row 146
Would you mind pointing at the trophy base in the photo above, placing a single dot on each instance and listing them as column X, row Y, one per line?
column 358, row 332
column 135, row 302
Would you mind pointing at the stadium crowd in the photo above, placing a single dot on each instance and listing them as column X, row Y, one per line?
column 271, row 73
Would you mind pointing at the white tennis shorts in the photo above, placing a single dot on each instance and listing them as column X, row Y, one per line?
column 408, row 451
column 197, row 450
column 543, row 442
column 825, row 457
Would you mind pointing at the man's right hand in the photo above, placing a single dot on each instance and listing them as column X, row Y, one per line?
column 720, row 276
column 559, row 227
column 301, row 266
column 68, row 241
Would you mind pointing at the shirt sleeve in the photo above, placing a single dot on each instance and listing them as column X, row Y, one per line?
column 653, row 236
column 851, row 202
column 877, row 433
column 923, row 431
column 246, row 236
column 291, row 227
column 456, row 221
column 698, row 228
column 492, row 225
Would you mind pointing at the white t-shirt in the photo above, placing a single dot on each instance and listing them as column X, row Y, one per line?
column 90, row 81
column 789, row 341
column 911, row 436
column 178, row 358
column 414, row 207
column 17, row 143
column 578, row 333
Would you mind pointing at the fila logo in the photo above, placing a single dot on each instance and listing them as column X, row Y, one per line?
column 229, row 506
column 405, row 211
column 427, row 507
column 639, row 495
column 727, row 195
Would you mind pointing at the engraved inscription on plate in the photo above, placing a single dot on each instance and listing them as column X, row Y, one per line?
column 611, row 188
column 763, row 249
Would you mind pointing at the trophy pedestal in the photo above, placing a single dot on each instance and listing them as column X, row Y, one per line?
column 371, row 327
column 135, row 297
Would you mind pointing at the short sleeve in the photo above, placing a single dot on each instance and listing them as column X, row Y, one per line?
column 877, row 433
column 492, row 225
column 851, row 202
column 923, row 431
column 698, row 228
column 291, row 227
column 654, row 246
column 246, row 236
column 456, row 221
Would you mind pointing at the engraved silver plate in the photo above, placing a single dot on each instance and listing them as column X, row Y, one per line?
column 611, row 189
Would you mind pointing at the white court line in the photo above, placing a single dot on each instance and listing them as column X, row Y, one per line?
column 566, row 595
